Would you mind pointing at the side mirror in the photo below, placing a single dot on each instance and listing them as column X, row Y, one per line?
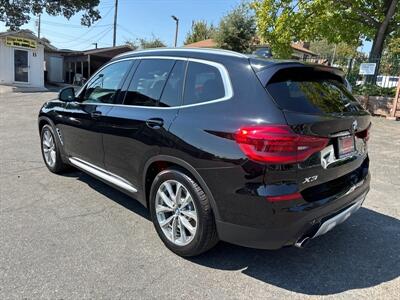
column 67, row 94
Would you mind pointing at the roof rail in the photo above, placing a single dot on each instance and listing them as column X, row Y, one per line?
column 199, row 50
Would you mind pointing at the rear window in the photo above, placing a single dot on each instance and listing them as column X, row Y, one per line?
column 310, row 91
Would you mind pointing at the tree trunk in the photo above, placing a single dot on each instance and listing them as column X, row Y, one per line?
column 379, row 40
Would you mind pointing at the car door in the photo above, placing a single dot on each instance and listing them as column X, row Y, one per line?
column 83, row 119
column 139, row 126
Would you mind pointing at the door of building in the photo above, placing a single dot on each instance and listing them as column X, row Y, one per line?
column 21, row 66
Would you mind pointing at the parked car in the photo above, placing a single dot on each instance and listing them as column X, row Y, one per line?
column 217, row 145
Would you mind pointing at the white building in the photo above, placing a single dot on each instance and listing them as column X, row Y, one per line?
column 21, row 59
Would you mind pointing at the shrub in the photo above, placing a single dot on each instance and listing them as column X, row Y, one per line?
column 374, row 90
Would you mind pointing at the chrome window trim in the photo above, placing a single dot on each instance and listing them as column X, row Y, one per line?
column 221, row 68
column 95, row 74
column 103, row 174
column 225, row 80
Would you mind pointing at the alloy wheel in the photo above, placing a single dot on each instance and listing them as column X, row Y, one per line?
column 176, row 212
column 49, row 148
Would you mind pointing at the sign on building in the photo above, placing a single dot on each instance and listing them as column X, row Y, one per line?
column 367, row 69
column 13, row 41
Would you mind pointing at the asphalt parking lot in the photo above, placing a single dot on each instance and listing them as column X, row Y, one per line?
column 73, row 237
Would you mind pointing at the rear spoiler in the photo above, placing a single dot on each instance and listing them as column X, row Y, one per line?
column 266, row 71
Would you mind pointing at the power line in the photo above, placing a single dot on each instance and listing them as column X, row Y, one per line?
column 70, row 25
column 94, row 37
column 61, row 34
column 78, row 40
column 127, row 30
column 90, row 29
column 94, row 26
column 102, row 36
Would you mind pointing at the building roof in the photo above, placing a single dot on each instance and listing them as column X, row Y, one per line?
column 108, row 52
column 48, row 46
column 26, row 33
column 210, row 43
column 301, row 48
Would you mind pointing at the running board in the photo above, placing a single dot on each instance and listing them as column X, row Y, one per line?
column 103, row 174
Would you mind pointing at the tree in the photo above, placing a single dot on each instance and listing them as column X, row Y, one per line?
column 154, row 42
column 390, row 64
column 132, row 44
column 16, row 13
column 323, row 48
column 393, row 47
column 200, row 31
column 348, row 21
column 236, row 30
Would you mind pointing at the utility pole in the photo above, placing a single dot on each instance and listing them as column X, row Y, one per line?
column 39, row 27
column 176, row 30
column 115, row 23
column 95, row 45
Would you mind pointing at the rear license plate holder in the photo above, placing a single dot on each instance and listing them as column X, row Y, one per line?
column 346, row 146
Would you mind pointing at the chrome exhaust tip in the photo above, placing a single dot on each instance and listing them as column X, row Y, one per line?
column 302, row 243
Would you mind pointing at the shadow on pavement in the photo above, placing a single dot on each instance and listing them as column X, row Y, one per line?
column 111, row 193
column 362, row 252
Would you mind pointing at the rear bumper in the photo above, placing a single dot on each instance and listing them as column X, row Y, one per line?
column 301, row 221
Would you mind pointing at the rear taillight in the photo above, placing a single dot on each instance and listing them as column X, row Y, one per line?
column 277, row 144
column 364, row 134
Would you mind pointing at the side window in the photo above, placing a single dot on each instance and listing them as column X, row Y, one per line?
column 103, row 87
column 148, row 82
column 172, row 93
column 203, row 83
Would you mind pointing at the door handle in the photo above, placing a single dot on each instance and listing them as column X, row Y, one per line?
column 155, row 123
column 96, row 114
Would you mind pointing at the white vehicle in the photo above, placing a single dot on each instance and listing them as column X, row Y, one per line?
column 387, row 81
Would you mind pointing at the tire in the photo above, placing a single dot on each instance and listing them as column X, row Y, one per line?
column 48, row 144
column 195, row 205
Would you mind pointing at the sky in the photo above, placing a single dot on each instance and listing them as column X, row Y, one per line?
column 136, row 19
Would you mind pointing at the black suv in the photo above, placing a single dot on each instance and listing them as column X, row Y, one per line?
column 217, row 145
